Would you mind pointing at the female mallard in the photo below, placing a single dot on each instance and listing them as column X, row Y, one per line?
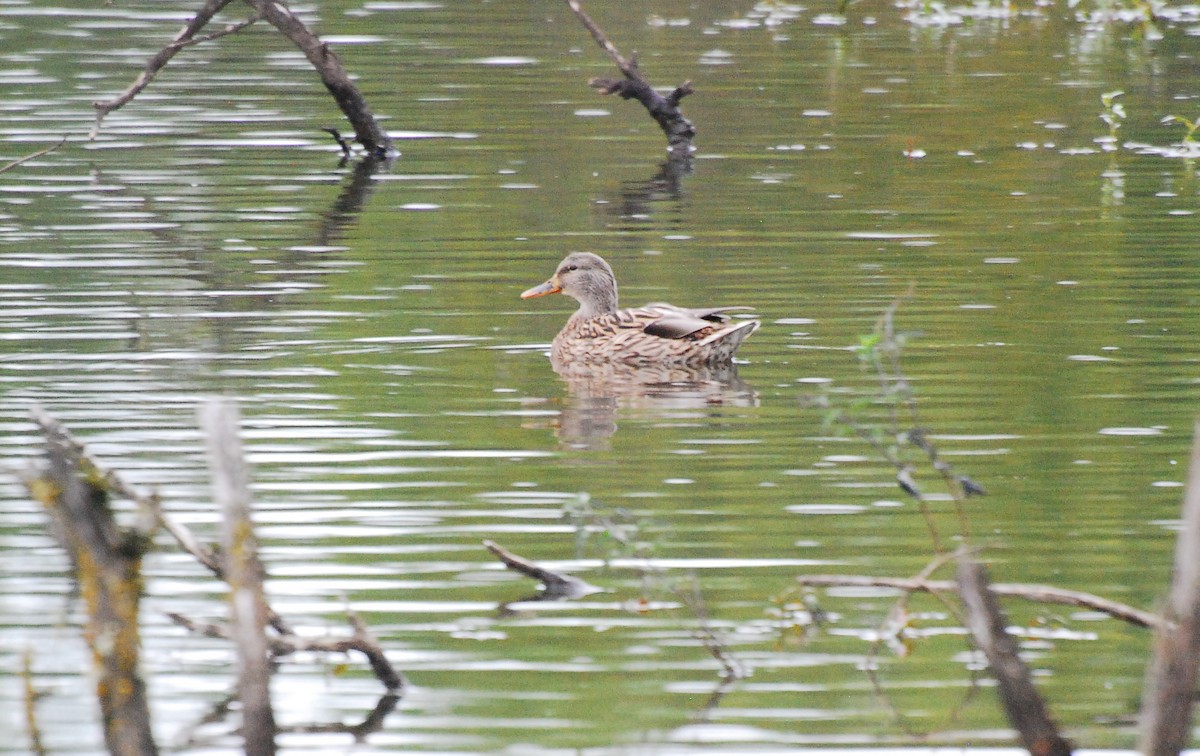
column 654, row 334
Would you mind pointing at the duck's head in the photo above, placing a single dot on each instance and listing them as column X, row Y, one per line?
column 586, row 278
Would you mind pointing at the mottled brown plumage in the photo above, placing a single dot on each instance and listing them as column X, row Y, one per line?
column 656, row 333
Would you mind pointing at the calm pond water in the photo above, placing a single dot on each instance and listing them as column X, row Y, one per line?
column 399, row 407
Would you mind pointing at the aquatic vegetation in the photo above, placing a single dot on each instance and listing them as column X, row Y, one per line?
column 1191, row 127
column 1113, row 116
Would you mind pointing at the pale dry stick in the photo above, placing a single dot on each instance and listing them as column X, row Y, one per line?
column 149, row 507
column 1169, row 691
column 627, row 67
column 158, row 61
column 33, row 156
column 243, row 571
column 1043, row 594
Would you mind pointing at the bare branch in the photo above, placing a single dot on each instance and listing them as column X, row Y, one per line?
column 333, row 75
column 285, row 645
column 627, row 67
column 1024, row 706
column 1043, row 594
column 158, row 61
column 664, row 110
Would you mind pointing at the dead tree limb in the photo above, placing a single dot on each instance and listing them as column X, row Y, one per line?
column 1024, row 706
column 1171, row 681
column 361, row 641
column 243, row 571
column 664, row 109
column 333, row 74
column 108, row 568
column 555, row 585
column 1038, row 593
column 158, row 60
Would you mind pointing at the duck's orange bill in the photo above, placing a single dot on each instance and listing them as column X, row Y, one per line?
column 550, row 287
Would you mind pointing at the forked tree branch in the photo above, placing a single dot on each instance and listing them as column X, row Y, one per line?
column 333, row 74
column 158, row 61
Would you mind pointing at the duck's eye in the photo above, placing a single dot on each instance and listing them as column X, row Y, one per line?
column 570, row 268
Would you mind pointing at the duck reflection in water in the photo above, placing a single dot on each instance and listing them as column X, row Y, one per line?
column 589, row 416
column 655, row 356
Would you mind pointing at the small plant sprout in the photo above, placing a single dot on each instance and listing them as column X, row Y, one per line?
column 1189, row 137
column 1113, row 116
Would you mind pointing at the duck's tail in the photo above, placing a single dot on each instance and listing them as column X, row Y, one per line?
column 724, row 342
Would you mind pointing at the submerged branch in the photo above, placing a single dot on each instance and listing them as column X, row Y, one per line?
column 555, row 585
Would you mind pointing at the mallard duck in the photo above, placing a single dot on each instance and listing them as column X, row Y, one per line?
column 656, row 333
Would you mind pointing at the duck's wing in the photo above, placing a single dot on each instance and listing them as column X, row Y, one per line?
column 676, row 326
column 670, row 322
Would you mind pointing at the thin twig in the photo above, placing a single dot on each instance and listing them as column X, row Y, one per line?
column 1037, row 593
column 32, row 156
column 285, row 645
column 230, row 29
column 899, row 611
column 30, row 698
column 157, row 62
column 627, row 67
column 693, row 599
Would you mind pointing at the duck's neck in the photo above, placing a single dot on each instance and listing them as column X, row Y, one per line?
column 597, row 302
